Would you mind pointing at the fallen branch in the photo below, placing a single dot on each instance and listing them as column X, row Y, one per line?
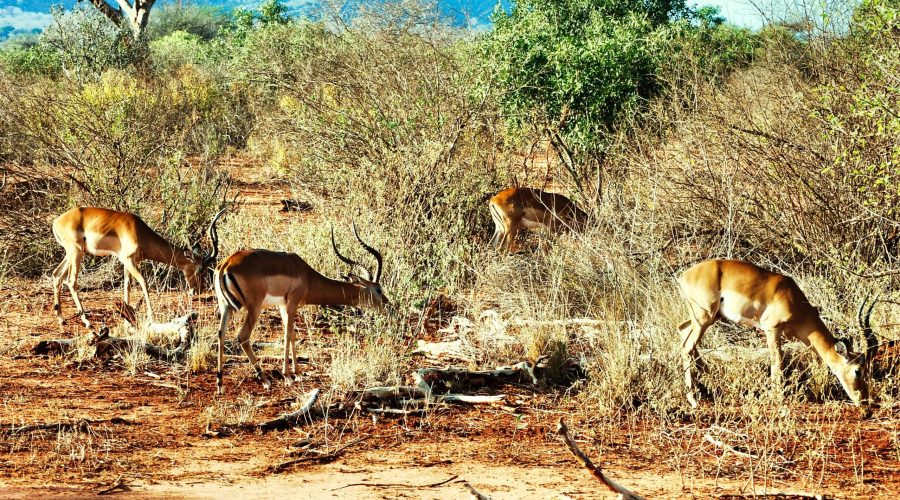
column 566, row 322
column 323, row 458
column 292, row 419
column 708, row 437
column 435, row 350
column 296, row 206
column 399, row 485
column 597, row 472
column 457, row 378
column 477, row 495
column 407, row 394
column 184, row 325
column 119, row 485
column 82, row 425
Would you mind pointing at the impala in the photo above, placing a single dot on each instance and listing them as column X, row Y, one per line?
column 515, row 208
column 746, row 294
column 100, row 232
column 254, row 279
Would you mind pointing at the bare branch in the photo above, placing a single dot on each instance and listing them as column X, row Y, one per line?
column 563, row 431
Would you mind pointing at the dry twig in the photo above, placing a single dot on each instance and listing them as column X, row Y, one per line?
column 399, row 485
column 597, row 472
column 477, row 495
column 82, row 425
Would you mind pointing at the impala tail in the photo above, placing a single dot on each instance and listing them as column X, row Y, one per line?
column 227, row 289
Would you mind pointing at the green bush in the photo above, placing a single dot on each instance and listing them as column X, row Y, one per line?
column 29, row 59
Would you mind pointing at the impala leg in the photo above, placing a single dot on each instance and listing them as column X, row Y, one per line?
column 499, row 227
column 498, row 234
column 287, row 319
column 294, row 347
column 132, row 269
column 511, row 233
column 691, row 332
column 774, row 340
column 126, row 284
column 224, row 316
column 72, row 283
column 59, row 274
column 244, row 340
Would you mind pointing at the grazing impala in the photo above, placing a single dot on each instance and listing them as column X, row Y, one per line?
column 253, row 279
column 515, row 207
column 744, row 293
column 100, row 232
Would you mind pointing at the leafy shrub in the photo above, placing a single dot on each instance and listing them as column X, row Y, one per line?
column 88, row 43
column 572, row 69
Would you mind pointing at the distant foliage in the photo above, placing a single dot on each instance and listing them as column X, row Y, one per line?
column 202, row 21
column 178, row 49
column 32, row 59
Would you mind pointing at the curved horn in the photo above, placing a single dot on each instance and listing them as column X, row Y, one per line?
column 372, row 251
column 866, row 326
column 352, row 263
column 214, row 238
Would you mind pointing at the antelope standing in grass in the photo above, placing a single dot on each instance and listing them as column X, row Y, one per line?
column 516, row 207
column 744, row 293
column 101, row 232
column 254, row 279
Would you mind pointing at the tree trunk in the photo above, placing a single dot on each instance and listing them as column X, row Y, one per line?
column 133, row 15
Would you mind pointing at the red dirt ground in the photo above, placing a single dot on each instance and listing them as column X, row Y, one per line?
column 163, row 448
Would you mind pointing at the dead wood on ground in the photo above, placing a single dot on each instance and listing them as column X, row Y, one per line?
column 106, row 344
column 597, row 472
column 292, row 419
column 82, row 425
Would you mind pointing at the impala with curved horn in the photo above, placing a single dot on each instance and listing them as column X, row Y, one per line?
column 254, row 279
column 515, row 208
column 744, row 293
column 100, row 232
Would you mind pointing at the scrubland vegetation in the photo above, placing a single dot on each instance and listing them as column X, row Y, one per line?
column 683, row 136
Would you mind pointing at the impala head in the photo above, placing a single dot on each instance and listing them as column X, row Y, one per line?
column 851, row 372
column 197, row 263
column 852, row 369
column 374, row 295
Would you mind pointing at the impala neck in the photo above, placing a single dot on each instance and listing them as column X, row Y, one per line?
column 154, row 247
column 821, row 339
column 326, row 291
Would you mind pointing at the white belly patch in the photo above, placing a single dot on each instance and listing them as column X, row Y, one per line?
column 530, row 224
column 274, row 300
column 740, row 309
